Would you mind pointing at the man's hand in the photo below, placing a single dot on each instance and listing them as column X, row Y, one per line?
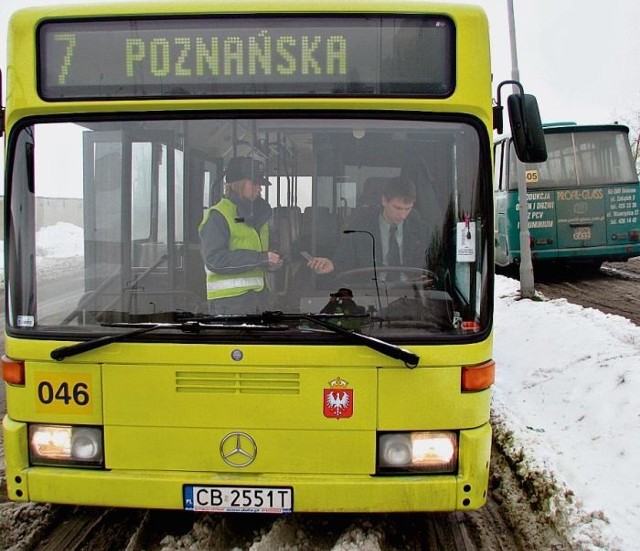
column 320, row 265
column 275, row 261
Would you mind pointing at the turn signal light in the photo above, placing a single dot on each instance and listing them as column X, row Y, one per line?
column 12, row 371
column 478, row 377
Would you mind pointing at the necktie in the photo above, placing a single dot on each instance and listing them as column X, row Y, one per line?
column 393, row 256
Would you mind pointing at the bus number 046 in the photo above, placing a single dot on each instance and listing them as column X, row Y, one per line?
column 79, row 394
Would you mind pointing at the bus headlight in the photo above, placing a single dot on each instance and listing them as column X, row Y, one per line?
column 431, row 452
column 65, row 445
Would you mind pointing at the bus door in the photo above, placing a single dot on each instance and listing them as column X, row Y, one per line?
column 135, row 266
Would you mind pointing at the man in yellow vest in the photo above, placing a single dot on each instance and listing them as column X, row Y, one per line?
column 234, row 236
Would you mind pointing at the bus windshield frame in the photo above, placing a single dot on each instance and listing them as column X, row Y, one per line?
column 139, row 259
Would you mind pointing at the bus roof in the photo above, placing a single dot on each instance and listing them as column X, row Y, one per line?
column 560, row 128
column 168, row 7
column 562, row 123
column 572, row 127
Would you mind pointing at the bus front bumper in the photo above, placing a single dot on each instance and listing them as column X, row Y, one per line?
column 466, row 490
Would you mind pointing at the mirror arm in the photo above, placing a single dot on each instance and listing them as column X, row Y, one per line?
column 498, row 118
column 513, row 83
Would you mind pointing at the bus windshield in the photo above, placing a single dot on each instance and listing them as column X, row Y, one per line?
column 137, row 196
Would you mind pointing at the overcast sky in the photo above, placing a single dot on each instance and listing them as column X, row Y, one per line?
column 579, row 57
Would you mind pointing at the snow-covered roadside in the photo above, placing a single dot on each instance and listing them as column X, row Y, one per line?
column 552, row 502
column 566, row 411
column 59, row 251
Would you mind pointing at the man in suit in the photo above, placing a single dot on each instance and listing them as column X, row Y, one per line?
column 400, row 236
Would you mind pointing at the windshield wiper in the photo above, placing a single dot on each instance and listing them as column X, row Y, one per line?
column 267, row 320
column 78, row 348
column 410, row 359
column 187, row 326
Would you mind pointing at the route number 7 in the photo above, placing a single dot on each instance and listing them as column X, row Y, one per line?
column 70, row 39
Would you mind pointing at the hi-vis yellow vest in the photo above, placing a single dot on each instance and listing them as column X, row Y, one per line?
column 242, row 236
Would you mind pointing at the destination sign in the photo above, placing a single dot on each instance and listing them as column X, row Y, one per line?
column 247, row 56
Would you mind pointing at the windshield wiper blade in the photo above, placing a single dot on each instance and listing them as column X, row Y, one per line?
column 196, row 325
column 266, row 320
column 410, row 359
column 187, row 326
column 80, row 347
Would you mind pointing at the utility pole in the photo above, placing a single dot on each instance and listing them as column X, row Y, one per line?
column 527, row 288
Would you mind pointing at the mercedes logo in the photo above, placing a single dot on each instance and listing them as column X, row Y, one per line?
column 238, row 449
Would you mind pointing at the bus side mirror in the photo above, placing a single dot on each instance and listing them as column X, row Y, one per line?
column 526, row 128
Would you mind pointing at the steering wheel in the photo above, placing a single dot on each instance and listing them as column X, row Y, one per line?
column 414, row 276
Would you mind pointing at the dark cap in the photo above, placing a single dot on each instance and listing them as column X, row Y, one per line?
column 343, row 292
column 246, row 168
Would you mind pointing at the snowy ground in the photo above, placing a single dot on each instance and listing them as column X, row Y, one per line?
column 568, row 391
column 566, row 407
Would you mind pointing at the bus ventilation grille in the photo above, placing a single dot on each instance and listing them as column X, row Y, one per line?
column 237, row 382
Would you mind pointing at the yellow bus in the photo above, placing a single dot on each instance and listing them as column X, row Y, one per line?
column 343, row 382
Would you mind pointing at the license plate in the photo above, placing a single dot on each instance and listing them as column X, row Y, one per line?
column 238, row 499
column 581, row 234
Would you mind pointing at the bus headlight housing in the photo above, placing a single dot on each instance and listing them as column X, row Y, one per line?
column 66, row 445
column 424, row 452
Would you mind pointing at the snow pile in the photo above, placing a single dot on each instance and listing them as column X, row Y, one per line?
column 59, row 250
column 63, row 240
column 566, row 408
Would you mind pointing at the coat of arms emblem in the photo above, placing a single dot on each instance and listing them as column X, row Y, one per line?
column 338, row 399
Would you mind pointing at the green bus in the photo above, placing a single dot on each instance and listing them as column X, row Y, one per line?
column 583, row 201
